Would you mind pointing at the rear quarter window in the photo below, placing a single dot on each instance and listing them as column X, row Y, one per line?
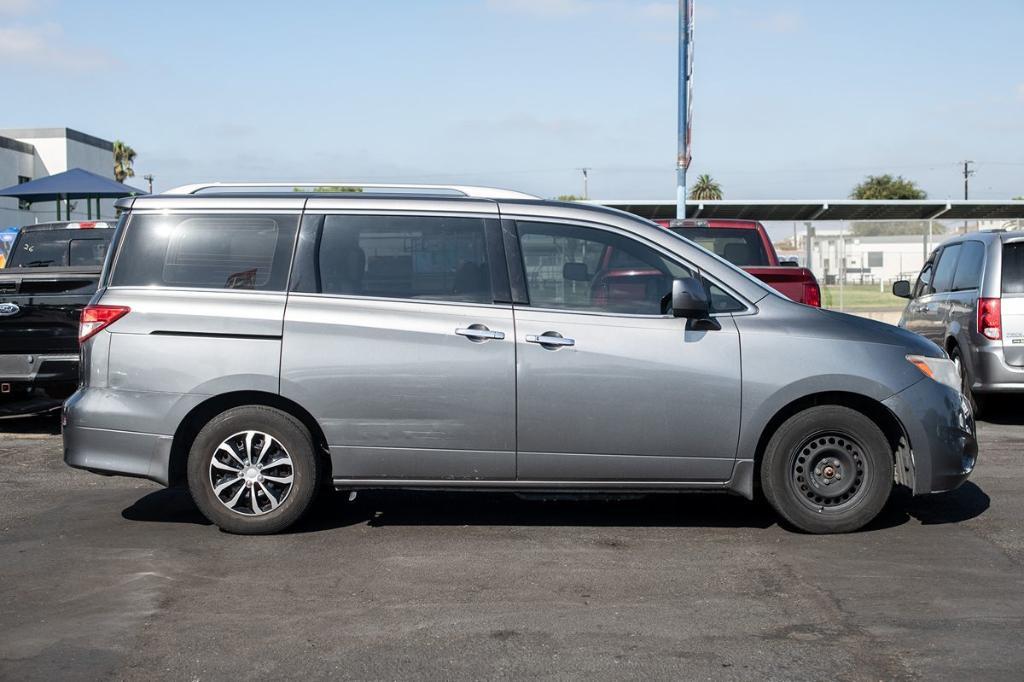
column 241, row 251
column 968, row 269
column 1013, row 268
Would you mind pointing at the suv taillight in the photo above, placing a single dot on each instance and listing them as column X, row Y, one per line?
column 98, row 317
column 990, row 318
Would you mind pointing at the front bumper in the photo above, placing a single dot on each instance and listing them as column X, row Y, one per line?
column 943, row 440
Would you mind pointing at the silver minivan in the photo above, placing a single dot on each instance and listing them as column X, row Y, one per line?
column 969, row 299
column 257, row 343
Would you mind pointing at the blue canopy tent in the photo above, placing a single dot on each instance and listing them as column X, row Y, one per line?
column 76, row 183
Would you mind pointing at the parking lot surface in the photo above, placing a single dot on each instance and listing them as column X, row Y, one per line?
column 112, row 577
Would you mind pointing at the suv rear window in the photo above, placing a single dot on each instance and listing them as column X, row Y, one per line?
column 739, row 247
column 1013, row 268
column 60, row 248
column 241, row 251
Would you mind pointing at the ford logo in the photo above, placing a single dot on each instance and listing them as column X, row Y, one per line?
column 8, row 309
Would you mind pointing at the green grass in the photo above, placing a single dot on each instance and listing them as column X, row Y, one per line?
column 861, row 296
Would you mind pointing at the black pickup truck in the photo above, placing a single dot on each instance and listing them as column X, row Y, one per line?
column 51, row 273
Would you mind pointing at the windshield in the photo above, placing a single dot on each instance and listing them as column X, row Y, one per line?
column 60, row 248
column 739, row 247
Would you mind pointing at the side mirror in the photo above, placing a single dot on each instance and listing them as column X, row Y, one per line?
column 901, row 288
column 689, row 299
column 575, row 272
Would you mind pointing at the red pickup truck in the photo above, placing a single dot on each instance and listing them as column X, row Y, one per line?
column 745, row 243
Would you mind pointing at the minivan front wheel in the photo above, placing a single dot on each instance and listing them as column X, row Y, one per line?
column 828, row 469
column 253, row 470
column 965, row 381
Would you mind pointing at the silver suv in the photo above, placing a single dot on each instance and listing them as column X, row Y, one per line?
column 969, row 299
column 257, row 342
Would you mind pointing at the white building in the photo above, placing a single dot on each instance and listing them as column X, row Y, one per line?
column 31, row 153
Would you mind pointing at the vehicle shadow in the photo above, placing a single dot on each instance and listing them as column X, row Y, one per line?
column 43, row 424
column 965, row 503
column 681, row 510
column 167, row 505
column 1003, row 410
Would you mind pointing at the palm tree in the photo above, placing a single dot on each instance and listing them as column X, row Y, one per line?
column 705, row 189
column 124, row 156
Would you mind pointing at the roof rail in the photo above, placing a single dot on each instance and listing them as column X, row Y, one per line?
column 461, row 190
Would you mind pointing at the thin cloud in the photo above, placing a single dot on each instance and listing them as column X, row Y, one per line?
column 45, row 47
column 18, row 7
column 1020, row 92
column 660, row 10
column 544, row 8
column 566, row 8
column 782, row 22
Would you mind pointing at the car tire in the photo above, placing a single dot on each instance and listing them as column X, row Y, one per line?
column 977, row 404
column 253, row 470
column 828, row 469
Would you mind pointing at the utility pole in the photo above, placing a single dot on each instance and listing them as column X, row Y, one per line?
column 685, row 102
column 149, row 178
column 968, row 172
column 586, row 190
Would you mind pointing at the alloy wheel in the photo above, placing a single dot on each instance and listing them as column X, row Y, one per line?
column 251, row 473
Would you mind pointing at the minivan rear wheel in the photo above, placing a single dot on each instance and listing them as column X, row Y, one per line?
column 828, row 469
column 253, row 470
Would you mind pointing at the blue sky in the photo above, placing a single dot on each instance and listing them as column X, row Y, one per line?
column 792, row 99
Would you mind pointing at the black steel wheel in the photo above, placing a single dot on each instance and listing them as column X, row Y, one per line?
column 828, row 469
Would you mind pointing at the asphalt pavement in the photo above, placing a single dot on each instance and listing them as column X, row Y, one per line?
column 118, row 578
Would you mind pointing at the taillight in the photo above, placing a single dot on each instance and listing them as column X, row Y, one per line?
column 990, row 318
column 98, row 317
column 812, row 294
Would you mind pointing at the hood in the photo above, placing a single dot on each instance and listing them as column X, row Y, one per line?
column 873, row 331
column 829, row 324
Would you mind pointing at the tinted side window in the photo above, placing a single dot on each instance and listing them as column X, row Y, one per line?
column 945, row 268
column 924, row 281
column 968, row 269
column 578, row 268
column 1013, row 268
column 422, row 257
column 206, row 251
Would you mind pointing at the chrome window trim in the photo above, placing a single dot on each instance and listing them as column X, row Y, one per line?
column 355, row 297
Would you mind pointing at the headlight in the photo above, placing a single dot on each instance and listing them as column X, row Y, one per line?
column 939, row 369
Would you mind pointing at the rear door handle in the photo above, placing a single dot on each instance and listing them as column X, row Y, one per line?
column 479, row 332
column 550, row 340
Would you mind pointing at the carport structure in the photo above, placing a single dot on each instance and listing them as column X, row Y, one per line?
column 76, row 183
column 839, row 209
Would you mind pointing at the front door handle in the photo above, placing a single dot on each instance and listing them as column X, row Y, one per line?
column 478, row 332
column 550, row 340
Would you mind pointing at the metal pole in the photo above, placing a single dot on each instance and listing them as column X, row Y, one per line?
column 681, row 147
column 967, row 174
column 842, row 263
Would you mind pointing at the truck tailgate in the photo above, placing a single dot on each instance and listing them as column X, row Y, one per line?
column 46, row 306
column 798, row 284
